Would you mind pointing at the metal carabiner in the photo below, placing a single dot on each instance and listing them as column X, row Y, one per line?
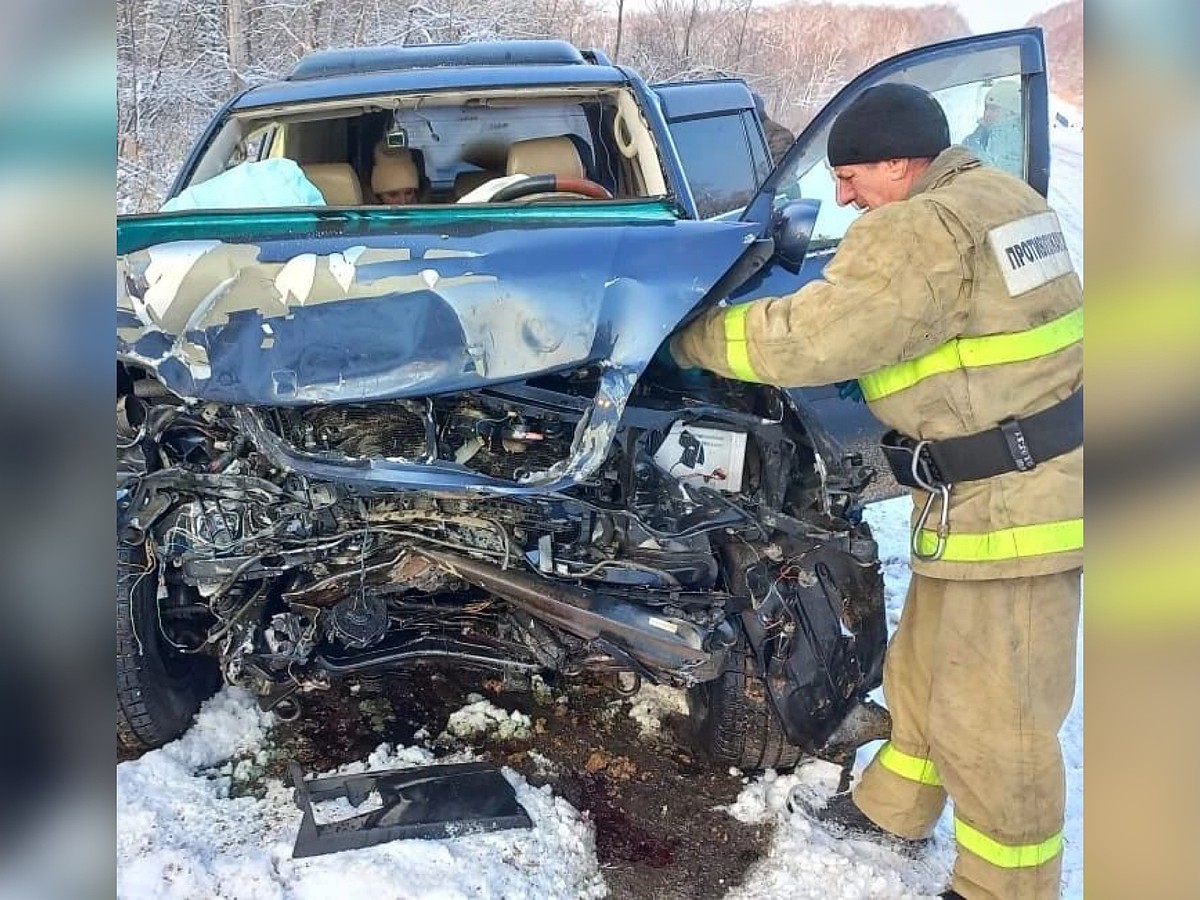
column 942, row 492
column 936, row 490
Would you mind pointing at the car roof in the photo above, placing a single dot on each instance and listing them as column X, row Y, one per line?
column 702, row 98
column 390, row 57
column 363, row 71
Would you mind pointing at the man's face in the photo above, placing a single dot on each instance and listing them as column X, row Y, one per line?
column 871, row 185
column 402, row 197
column 994, row 112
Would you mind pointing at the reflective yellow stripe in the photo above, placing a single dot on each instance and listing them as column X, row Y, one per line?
column 1007, row 543
column 974, row 352
column 914, row 768
column 737, row 351
column 1006, row 856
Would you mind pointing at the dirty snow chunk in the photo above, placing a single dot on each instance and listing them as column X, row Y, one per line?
column 397, row 756
column 653, row 702
column 543, row 764
column 764, row 799
column 244, row 770
column 543, row 692
column 484, row 717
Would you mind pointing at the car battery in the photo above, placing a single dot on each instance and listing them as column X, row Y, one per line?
column 701, row 454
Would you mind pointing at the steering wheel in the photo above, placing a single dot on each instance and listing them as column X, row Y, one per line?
column 552, row 184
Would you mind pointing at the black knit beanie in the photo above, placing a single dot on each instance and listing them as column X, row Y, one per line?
column 888, row 121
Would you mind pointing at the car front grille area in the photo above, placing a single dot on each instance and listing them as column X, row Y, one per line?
column 364, row 431
column 493, row 442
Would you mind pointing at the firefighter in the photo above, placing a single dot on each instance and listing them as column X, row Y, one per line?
column 954, row 302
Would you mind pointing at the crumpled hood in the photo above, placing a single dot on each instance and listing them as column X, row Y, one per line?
column 428, row 307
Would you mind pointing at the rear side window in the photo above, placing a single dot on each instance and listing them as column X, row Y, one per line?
column 717, row 159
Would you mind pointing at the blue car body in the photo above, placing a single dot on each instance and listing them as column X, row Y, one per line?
column 324, row 413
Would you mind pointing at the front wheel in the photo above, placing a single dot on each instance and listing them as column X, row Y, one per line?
column 159, row 688
column 733, row 720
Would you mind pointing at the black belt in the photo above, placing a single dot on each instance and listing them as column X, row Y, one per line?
column 1015, row 445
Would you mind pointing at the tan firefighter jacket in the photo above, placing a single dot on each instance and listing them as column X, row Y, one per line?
column 955, row 308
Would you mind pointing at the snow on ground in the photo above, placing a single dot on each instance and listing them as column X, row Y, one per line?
column 807, row 863
column 183, row 833
column 1065, row 115
column 1066, row 188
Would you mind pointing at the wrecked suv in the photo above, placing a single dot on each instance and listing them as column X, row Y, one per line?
column 356, row 438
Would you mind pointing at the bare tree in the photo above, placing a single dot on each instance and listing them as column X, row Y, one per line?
column 737, row 57
column 620, row 24
column 237, row 39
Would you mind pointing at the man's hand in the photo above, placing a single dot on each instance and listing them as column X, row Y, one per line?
column 851, row 390
column 664, row 359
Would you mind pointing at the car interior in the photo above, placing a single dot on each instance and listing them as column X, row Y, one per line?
column 466, row 146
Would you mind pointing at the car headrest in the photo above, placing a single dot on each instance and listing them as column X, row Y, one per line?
column 545, row 156
column 337, row 183
column 394, row 170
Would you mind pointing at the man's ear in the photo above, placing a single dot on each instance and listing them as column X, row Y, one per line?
column 896, row 169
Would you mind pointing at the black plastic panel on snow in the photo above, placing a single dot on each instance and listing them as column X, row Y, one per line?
column 425, row 802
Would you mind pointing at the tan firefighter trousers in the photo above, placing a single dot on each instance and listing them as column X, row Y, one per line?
column 979, row 678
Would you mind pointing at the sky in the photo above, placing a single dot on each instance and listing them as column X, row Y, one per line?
column 981, row 15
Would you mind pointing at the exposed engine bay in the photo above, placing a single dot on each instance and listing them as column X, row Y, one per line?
column 713, row 531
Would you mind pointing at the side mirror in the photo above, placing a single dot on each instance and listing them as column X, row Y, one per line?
column 792, row 228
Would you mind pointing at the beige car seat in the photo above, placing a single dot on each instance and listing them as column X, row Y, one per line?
column 545, row 156
column 337, row 183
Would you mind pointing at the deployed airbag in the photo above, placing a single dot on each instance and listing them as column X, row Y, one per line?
column 252, row 185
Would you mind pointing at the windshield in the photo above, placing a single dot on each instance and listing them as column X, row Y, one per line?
column 582, row 143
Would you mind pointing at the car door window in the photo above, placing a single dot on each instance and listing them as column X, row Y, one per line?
column 252, row 148
column 996, row 135
column 984, row 96
column 720, row 182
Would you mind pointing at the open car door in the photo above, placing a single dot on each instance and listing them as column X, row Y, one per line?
column 796, row 203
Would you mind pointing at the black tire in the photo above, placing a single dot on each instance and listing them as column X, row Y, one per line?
column 159, row 689
column 733, row 721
